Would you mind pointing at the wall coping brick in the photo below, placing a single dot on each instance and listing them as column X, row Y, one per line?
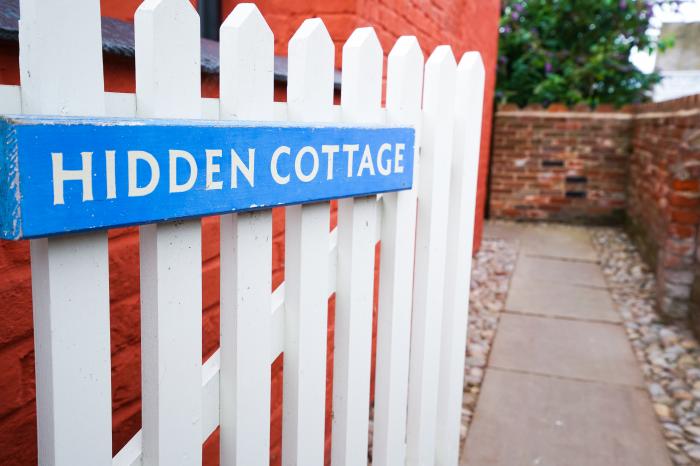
column 681, row 107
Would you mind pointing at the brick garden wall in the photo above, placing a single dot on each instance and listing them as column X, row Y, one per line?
column 663, row 202
column 640, row 165
column 559, row 164
column 465, row 24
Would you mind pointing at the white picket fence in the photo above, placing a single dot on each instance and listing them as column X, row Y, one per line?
column 425, row 255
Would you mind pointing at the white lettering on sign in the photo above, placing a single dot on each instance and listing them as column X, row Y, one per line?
column 398, row 158
column 248, row 171
column 306, row 177
column 350, row 149
column 143, row 168
column 111, row 175
column 133, row 156
column 330, row 150
column 273, row 165
column 61, row 175
column 187, row 157
column 366, row 162
column 213, row 168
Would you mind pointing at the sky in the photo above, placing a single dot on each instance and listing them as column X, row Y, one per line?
column 689, row 12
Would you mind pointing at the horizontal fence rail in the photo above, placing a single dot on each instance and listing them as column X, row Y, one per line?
column 425, row 232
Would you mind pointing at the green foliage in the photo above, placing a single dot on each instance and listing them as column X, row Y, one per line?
column 574, row 51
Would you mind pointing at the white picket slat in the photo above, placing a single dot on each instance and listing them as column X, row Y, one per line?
column 246, row 90
column 181, row 404
column 10, row 99
column 309, row 98
column 360, row 103
column 61, row 73
column 429, row 274
column 168, row 86
column 403, row 103
column 469, row 101
column 130, row 455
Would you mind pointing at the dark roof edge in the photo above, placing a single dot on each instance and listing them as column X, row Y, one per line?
column 118, row 39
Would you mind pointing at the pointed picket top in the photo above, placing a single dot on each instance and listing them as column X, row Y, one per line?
column 362, row 76
column 470, row 78
column 246, row 73
column 61, row 64
column 167, row 41
column 440, row 72
column 404, row 81
column 310, row 81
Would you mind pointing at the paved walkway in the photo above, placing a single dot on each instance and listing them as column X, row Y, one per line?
column 562, row 386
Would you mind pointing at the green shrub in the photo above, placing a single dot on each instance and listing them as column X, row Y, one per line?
column 575, row 51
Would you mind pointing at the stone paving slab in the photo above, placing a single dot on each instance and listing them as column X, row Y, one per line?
column 525, row 419
column 561, row 300
column 530, row 269
column 565, row 348
column 561, row 241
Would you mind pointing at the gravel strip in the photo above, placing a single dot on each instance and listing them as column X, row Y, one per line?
column 491, row 272
column 668, row 352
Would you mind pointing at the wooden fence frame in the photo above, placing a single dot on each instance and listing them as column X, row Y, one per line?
column 426, row 244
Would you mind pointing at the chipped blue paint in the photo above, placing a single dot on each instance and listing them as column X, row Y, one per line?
column 34, row 204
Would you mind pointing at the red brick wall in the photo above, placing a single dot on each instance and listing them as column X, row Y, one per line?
column 664, row 198
column 641, row 164
column 559, row 164
column 435, row 22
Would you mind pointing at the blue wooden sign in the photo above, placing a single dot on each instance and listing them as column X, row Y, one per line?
column 60, row 175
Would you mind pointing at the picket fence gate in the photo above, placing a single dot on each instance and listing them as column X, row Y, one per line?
column 425, row 254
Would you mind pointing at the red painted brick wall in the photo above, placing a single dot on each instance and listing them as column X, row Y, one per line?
column 465, row 24
column 560, row 165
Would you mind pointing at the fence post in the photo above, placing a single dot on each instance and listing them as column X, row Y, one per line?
column 429, row 274
column 246, row 90
column 403, row 100
column 361, row 101
column 309, row 98
column 469, row 101
column 61, row 73
column 168, row 86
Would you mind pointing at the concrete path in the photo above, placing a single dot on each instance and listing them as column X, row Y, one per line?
column 562, row 386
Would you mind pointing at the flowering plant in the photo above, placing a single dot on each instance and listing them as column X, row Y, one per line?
column 575, row 51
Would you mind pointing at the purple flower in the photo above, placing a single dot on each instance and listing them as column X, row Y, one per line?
column 623, row 5
column 547, row 67
column 515, row 15
column 519, row 7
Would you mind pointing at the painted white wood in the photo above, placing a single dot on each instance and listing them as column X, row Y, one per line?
column 469, row 101
column 120, row 104
column 429, row 274
column 360, row 103
column 210, row 394
column 309, row 98
column 130, row 454
column 246, row 93
column 403, row 105
column 210, row 108
column 10, row 99
column 61, row 73
column 168, row 85
column 246, row 258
